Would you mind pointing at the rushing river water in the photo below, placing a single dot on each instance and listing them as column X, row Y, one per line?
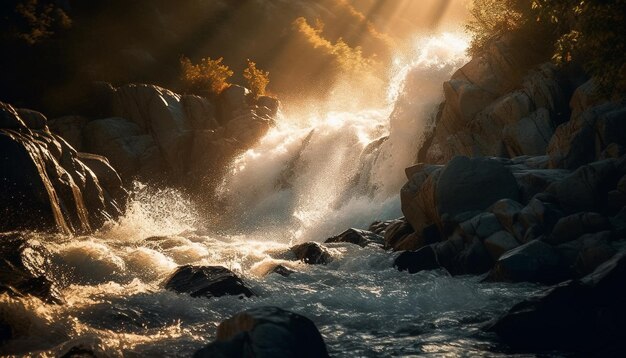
column 300, row 183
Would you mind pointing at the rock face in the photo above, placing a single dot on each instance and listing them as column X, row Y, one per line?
column 159, row 136
column 586, row 315
column 266, row 332
column 25, row 268
column 47, row 185
column 532, row 262
column 207, row 281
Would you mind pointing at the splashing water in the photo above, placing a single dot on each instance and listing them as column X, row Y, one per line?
column 317, row 174
column 312, row 176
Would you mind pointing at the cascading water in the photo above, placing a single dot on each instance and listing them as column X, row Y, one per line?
column 311, row 177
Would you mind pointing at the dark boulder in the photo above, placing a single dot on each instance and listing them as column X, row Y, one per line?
column 25, row 268
column 473, row 184
column 357, row 237
column 586, row 253
column 586, row 316
column 265, row 332
column 396, row 233
column 416, row 261
column 535, row 261
column 283, row 270
column 207, row 281
column 574, row 226
column 312, row 253
column 499, row 243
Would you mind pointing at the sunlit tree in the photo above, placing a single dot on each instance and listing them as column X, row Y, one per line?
column 257, row 80
column 208, row 77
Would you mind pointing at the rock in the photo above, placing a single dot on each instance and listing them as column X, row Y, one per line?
column 108, row 178
column 357, row 237
column 158, row 111
column 416, row 261
column 508, row 211
column 586, row 253
column 199, row 111
column 266, row 332
column 33, row 119
column 473, row 184
column 540, row 216
column 379, row 227
column 123, row 144
column 206, row 281
column 482, row 226
column 10, row 119
column 396, row 232
column 312, row 253
column 417, row 197
column 25, row 267
column 48, row 187
column 474, row 259
column 272, row 104
column 574, row 226
column 587, row 187
column 586, row 316
column 70, row 128
column 231, row 99
column 535, row 261
column 283, row 270
column 530, row 135
column 534, row 181
column 499, row 243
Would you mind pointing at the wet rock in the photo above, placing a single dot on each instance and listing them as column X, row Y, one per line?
column 357, row 237
column 500, row 243
column 206, row 281
column 539, row 216
column 587, row 316
column 266, row 332
column 232, row 99
column 47, row 186
column 200, row 111
column 33, row 119
column 535, row 181
column 573, row 226
column 283, row 270
column 396, row 232
column 535, row 261
column 507, row 211
column 70, row 128
column 417, row 196
column 312, row 253
column 379, row 227
column 416, row 261
column 24, row 268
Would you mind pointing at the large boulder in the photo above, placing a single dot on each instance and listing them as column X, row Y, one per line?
column 416, row 261
column 587, row 316
column 25, row 268
column 206, row 281
column 266, row 332
column 47, row 186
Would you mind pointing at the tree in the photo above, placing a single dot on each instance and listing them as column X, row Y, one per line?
column 257, row 80
column 208, row 77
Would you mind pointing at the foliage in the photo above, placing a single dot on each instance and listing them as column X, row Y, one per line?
column 36, row 20
column 257, row 80
column 208, row 77
column 589, row 33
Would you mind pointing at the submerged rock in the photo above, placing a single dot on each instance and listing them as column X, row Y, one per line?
column 25, row 268
column 207, row 281
column 415, row 261
column 312, row 253
column 266, row 332
column 587, row 315
column 283, row 270
column 357, row 237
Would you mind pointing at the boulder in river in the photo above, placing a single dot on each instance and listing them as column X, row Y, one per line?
column 415, row 261
column 25, row 268
column 266, row 332
column 357, row 237
column 207, row 281
column 312, row 253
column 587, row 316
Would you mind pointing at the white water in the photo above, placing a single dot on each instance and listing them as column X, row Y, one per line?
column 297, row 184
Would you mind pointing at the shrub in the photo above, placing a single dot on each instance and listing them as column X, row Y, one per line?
column 257, row 80
column 208, row 77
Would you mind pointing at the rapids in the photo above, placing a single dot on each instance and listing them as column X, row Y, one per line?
column 313, row 176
